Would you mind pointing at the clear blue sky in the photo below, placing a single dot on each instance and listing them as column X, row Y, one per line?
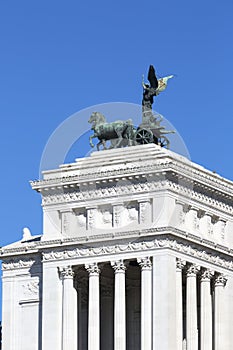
column 58, row 57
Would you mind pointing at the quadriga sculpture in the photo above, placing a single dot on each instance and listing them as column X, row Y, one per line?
column 122, row 133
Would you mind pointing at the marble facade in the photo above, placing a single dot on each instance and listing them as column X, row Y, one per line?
column 136, row 254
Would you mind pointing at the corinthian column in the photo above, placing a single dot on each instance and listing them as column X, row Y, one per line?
column 191, row 308
column 146, row 303
column 206, row 310
column 93, row 307
column 119, row 306
column 69, row 310
column 219, row 312
column 179, row 303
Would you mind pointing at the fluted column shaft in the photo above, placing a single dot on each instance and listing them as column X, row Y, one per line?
column 179, row 303
column 119, row 306
column 206, row 310
column 69, row 310
column 191, row 308
column 146, row 303
column 93, row 307
column 219, row 313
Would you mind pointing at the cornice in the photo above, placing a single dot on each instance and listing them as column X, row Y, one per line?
column 180, row 168
column 123, row 170
column 221, row 203
column 112, row 239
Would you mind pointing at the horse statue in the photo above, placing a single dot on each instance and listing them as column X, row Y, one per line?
column 120, row 132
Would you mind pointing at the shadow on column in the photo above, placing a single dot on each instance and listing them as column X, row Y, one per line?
column 81, row 284
column 106, row 307
column 133, row 306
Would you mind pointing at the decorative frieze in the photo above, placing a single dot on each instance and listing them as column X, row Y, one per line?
column 138, row 247
column 19, row 263
column 104, row 217
column 137, row 188
column 198, row 220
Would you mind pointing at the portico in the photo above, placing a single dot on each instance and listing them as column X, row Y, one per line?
column 128, row 318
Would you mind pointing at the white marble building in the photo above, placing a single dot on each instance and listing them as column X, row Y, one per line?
column 136, row 254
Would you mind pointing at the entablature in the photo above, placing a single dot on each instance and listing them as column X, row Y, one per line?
column 122, row 242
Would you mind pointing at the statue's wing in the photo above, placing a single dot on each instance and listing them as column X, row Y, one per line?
column 163, row 83
column 152, row 77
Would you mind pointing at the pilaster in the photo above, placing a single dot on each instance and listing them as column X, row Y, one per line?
column 220, row 313
column 51, row 308
column 180, row 264
column 164, row 301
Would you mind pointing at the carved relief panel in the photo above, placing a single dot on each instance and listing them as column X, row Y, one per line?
column 200, row 222
column 29, row 289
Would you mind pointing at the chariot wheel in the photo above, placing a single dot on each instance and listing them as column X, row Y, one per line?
column 164, row 142
column 144, row 136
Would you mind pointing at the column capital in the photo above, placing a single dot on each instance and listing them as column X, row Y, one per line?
column 206, row 275
column 92, row 268
column 193, row 270
column 220, row 280
column 145, row 263
column 66, row 272
column 118, row 266
column 180, row 264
